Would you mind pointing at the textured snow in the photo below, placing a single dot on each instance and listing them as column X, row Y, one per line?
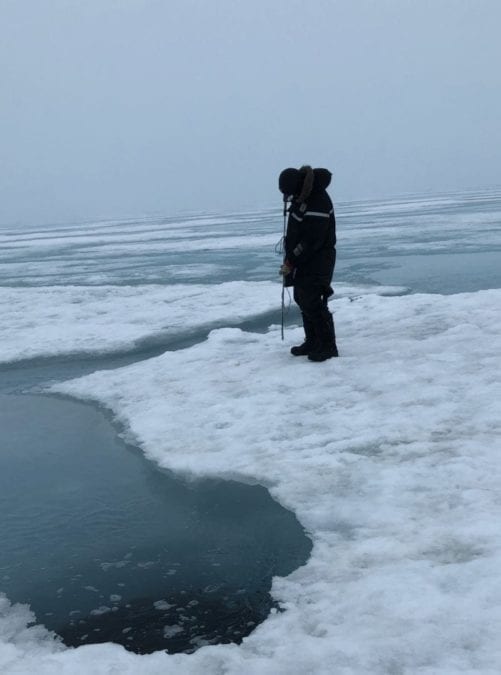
column 59, row 320
column 388, row 455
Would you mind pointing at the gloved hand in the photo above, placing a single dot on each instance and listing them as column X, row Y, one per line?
column 286, row 268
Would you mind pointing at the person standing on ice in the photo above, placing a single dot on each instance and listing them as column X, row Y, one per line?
column 310, row 256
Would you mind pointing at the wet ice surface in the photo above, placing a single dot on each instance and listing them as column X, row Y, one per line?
column 373, row 237
column 106, row 547
column 148, row 251
column 446, row 244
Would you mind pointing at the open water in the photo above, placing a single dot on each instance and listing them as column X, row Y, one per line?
column 105, row 546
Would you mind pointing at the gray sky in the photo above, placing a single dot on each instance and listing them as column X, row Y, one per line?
column 128, row 107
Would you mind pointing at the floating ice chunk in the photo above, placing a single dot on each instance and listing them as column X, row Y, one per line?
column 171, row 631
column 105, row 566
column 100, row 610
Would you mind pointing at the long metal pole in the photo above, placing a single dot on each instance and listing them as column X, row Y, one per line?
column 283, row 275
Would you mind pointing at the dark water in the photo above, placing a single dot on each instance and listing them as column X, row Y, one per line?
column 444, row 273
column 104, row 546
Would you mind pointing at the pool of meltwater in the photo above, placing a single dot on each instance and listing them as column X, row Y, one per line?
column 105, row 546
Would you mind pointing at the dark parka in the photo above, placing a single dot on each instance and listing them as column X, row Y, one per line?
column 310, row 242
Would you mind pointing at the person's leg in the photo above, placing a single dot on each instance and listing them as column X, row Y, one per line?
column 309, row 300
column 324, row 322
column 309, row 339
column 318, row 323
column 327, row 342
column 329, row 323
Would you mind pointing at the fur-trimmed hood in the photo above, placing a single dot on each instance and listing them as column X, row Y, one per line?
column 301, row 183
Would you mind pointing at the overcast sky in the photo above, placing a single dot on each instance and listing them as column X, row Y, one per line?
column 128, row 107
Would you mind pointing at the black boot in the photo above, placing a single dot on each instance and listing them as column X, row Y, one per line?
column 326, row 346
column 309, row 340
column 332, row 333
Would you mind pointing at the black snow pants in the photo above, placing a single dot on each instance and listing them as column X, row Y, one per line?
column 311, row 294
column 317, row 320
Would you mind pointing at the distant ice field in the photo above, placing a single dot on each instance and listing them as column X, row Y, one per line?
column 221, row 247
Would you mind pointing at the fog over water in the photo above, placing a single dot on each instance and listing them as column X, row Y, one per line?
column 141, row 106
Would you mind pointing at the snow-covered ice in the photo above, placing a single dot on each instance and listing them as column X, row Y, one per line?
column 57, row 320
